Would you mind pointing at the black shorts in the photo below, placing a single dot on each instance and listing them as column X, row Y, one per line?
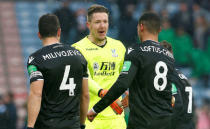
column 70, row 123
column 184, row 125
column 164, row 123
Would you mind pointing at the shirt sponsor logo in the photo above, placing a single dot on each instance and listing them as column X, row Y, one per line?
column 114, row 53
column 104, row 68
column 32, row 68
column 104, row 73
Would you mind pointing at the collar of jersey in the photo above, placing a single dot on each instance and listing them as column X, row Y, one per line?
column 151, row 41
column 52, row 44
column 97, row 45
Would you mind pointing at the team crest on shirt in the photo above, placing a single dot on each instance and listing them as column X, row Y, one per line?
column 114, row 53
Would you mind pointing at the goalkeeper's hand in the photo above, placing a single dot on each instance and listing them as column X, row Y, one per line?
column 125, row 101
column 91, row 115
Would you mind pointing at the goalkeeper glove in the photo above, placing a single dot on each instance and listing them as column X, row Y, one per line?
column 116, row 105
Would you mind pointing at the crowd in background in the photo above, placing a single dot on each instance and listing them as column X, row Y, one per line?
column 185, row 24
column 8, row 114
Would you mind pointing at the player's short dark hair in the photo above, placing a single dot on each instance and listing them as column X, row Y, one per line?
column 166, row 45
column 96, row 9
column 48, row 25
column 151, row 21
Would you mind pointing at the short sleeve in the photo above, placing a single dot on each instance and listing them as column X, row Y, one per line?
column 33, row 69
column 132, row 56
column 85, row 69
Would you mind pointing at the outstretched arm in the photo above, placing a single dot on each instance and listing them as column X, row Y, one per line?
column 121, row 85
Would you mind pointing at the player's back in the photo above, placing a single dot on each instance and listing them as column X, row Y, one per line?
column 150, row 92
column 62, row 68
column 183, row 117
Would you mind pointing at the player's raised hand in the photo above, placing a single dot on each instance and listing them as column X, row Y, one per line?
column 91, row 115
column 125, row 100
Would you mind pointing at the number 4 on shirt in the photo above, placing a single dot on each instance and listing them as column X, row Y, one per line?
column 71, row 86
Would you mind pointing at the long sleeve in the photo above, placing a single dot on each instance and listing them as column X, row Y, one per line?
column 120, row 86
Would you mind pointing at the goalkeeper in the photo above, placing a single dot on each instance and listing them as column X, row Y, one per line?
column 105, row 58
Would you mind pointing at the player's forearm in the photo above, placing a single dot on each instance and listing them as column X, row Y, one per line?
column 84, row 101
column 121, row 85
column 34, row 104
column 84, row 108
column 115, row 92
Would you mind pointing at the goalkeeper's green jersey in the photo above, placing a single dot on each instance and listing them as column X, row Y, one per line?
column 104, row 65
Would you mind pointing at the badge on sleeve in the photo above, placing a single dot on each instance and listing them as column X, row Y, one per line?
column 32, row 68
column 173, row 89
column 126, row 66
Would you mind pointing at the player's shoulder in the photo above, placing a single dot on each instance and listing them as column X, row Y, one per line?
column 81, row 43
column 182, row 77
column 133, row 48
column 36, row 53
column 115, row 41
column 32, row 57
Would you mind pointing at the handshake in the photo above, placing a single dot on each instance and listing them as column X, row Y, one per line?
column 117, row 106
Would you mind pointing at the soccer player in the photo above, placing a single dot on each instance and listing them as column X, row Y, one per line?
column 59, row 95
column 183, row 106
column 147, row 72
column 105, row 58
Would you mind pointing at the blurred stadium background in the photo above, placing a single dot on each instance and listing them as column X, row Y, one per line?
column 186, row 25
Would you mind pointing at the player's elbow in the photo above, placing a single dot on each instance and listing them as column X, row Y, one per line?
column 36, row 93
column 36, row 88
column 86, row 96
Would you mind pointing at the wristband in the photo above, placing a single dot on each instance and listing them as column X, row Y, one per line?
column 99, row 92
column 94, row 111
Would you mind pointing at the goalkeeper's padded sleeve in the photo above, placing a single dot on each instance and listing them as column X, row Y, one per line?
column 116, row 105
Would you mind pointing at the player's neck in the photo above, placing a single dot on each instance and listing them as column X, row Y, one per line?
column 149, row 37
column 96, row 42
column 50, row 41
